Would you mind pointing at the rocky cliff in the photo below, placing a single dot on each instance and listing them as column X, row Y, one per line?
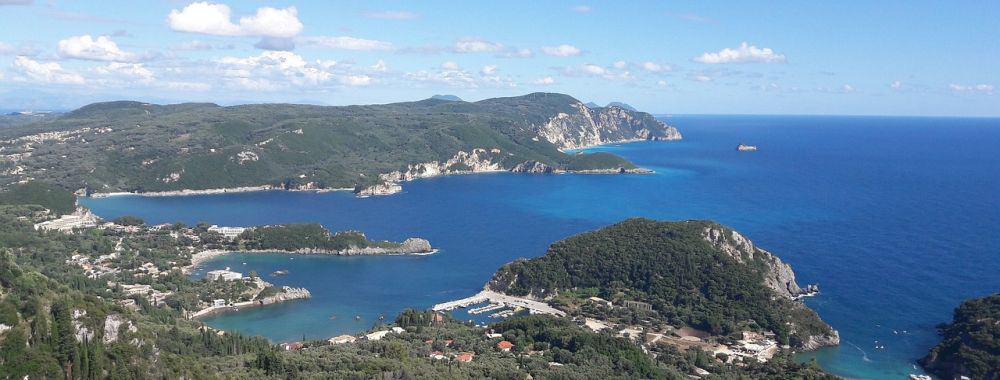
column 778, row 276
column 588, row 127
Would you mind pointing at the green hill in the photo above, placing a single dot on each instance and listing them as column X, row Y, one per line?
column 133, row 146
column 970, row 344
column 694, row 273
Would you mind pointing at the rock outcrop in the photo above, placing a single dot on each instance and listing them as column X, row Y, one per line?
column 588, row 127
column 779, row 276
column 532, row 167
column 819, row 341
column 287, row 293
column 113, row 325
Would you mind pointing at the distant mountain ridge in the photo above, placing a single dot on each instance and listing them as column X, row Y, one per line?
column 451, row 98
column 142, row 147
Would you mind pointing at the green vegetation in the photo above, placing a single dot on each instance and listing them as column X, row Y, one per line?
column 59, row 314
column 53, row 198
column 132, row 146
column 970, row 344
column 293, row 237
column 671, row 266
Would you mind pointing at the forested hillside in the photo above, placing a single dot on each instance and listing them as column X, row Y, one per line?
column 970, row 344
column 60, row 320
column 674, row 267
column 132, row 146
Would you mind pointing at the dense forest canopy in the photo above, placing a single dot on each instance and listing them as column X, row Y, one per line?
column 671, row 266
column 970, row 344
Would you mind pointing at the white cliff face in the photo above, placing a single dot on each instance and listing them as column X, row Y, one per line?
column 477, row 161
column 588, row 127
column 779, row 276
column 112, row 326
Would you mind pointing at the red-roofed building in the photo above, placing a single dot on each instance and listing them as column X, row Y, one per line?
column 505, row 346
column 465, row 357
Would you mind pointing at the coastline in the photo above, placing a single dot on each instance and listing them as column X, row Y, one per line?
column 375, row 190
column 224, row 190
column 199, row 258
column 290, row 294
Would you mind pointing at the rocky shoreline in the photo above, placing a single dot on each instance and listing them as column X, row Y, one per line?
column 226, row 190
column 409, row 247
column 288, row 294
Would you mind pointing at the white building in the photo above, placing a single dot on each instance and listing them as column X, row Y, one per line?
column 341, row 339
column 227, row 232
column 219, row 302
column 378, row 335
column 224, row 274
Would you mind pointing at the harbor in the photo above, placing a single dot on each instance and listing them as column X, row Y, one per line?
column 495, row 298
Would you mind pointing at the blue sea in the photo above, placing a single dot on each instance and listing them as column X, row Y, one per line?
column 897, row 219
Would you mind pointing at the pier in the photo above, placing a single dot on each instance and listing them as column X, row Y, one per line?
column 535, row 307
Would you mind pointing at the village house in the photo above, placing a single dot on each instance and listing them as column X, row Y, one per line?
column 464, row 357
column 638, row 305
column 341, row 339
column 378, row 335
column 600, row 301
column 224, row 274
column 227, row 232
column 437, row 355
column 505, row 346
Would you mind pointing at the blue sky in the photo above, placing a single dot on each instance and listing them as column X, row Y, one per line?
column 733, row 57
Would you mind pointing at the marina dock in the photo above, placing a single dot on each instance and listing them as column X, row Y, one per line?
column 535, row 307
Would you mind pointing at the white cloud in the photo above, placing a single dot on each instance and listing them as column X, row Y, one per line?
column 980, row 88
column 544, row 81
column 356, row 80
column 582, row 9
column 194, row 45
column 518, row 53
column 275, row 69
column 450, row 65
column 392, row 15
column 661, row 83
column 127, row 71
column 50, row 72
column 489, row 70
column 215, row 19
column 896, row 85
column 701, row 78
column 101, row 48
column 745, row 53
column 187, row 86
column 594, row 69
column 6, row 48
column 380, row 66
column 654, row 67
column 454, row 78
column 16, row 2
column 620, row 64
column 563, row 50
column 477, row 45
column 346, row 43
column 847, row 88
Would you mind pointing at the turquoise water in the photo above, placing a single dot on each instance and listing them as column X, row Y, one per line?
column 895, row 218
